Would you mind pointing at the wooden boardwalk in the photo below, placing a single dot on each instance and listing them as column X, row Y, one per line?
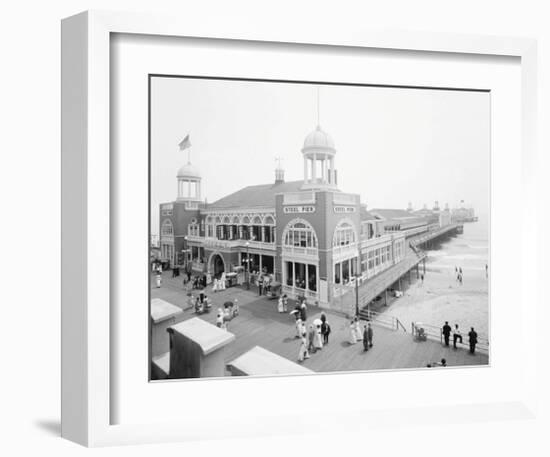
column 259, row 323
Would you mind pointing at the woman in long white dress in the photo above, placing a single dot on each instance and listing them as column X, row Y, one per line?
column 303, row 353
column 358, row 332
column 215, row 285
column 318, row 339
column 299, row 328
column 280, row 305
column 352, row 332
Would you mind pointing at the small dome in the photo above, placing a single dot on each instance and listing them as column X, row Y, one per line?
column 318, row 139
column 188, row 171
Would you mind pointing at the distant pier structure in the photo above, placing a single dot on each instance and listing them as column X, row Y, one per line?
column 463, row 213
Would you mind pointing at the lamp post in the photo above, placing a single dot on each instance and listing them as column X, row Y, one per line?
column 356, row 295
column 247, row 267
column 184, row 251
column 357, row 276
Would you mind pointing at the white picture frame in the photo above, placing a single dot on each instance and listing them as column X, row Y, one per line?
column 87, row 387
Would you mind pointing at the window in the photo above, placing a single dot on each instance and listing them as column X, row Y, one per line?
column 167, row 229
column 344, row 234
column 300, row 234
column 371, row 260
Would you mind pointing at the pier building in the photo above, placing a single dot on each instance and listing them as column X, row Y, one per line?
column 309, row 235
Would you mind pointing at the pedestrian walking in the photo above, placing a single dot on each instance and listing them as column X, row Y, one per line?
column 318, row 339
column 303, row 353
column 311, row 338
column 358, row 333
column 281, row 305
column 446, row 330
column 422, row 278
column 158, row 280
column 298, row 327
column 456, row 336
column 369, row 334
column 352, row 332
column 303, row 310
column 260, row 286
column 365, row 339
column 325, row 331
column 285, row 303
column 472, row 339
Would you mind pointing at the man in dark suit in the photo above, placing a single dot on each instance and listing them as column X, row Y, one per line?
column 446, row 332
column 472, row 335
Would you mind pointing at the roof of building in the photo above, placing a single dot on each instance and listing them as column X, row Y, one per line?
column 188, row 171
column 254, row 196
column 392, row 213
column 206, row 335
column 261, row 362
column 318, row 139
column 365, row 215
column 161, row 310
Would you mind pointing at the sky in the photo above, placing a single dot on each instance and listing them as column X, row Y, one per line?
column 393, row 145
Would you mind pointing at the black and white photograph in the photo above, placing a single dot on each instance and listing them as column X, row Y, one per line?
column 300, row 228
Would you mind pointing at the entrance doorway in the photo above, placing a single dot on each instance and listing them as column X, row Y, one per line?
column 217, row 265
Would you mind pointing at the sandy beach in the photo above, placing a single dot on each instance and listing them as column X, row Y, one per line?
column 441, row 298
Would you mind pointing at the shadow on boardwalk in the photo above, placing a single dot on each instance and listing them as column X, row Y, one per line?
column 259, row 323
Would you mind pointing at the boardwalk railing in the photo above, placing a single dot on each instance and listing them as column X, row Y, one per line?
column 385, row 319
column 436, row 333
column 431, row 234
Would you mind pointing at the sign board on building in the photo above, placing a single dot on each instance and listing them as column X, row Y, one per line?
column 344, row 209
column 299, row 209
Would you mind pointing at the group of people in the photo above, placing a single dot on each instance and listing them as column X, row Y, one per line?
column 219, row 284
column 313, row 336
column 282, row 305
column 458, row 272
column 457, row 336
column 201, row 303
column 264, row 283
column 197, row 282
column 225, row 314
column 357, row 334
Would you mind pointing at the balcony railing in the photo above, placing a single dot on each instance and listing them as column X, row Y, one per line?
column 214, row 243
column 297, row 251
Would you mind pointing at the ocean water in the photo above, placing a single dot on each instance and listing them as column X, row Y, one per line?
column 470, row 250
column 441, row 298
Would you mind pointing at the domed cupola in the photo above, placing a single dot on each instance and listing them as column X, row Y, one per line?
column 319, row 140
column 318, row 153
column 189, row 171
column 189, row 183
column 189, row 178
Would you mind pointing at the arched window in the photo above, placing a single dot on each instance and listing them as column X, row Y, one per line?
column 257, row 220
column 226, row 220
column 300, row 233
column 269, row 221
column 246, row 220
column 167, row 228
column 236, row 220
column 344, row 234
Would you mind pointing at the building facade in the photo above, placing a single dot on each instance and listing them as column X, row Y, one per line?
column 312, row 237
